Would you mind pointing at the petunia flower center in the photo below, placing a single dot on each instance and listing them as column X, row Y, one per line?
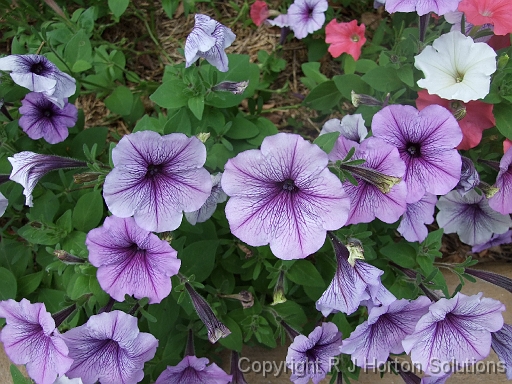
column 414, row 150
column 354, row 38
column 37, row 68
column 47, row 113
column 153, row 170
column 289, row 185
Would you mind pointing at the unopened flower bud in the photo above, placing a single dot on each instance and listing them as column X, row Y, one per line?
column 383, row 182
column 460, row 113
column 361, row 99
column 356, row 250
column 203, row 136
column 67, row 258
column 469, row 177
column 279, row 296
column 488, row 190
column 245, row 297
column 81, row 178
column 236, row 88
column 502, row 61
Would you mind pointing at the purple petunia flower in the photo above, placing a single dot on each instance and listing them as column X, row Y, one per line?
column 469, row 177
column 454, row 330
column 109, row 348
column 195, row 370
column 30, row 338
column 470, row 217
column 311, row 357
column 306, row 16
column 131, row 260
column 206, row 211
column 280, row 21
column 284, row 195
column 41, row 118
column 502, row 345
column 412, row 226
column 208, row 39
column 422, row 7
column 379, row 191
column 500, row 202
column 496, row 240
column 38, row 74
column 425, row 140
column 29, row 167
column 155, row 178
column 372, row 341
column 353, row 282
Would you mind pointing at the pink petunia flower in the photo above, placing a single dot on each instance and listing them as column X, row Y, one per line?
column 259, row 12
column 495, row 12
column 345, row 37
column 506, row 145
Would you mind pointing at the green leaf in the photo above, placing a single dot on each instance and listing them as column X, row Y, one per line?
column 78, row 286
column 302, row 272
column 384, row 79
column 242, row 129
column 349, row 64
column 147, row 123
column 400, row 253
column 198, row 259
column 81, row 65
column 312, row 71
column 90, row 136
column 365, row 65
column 88, row 211
column 406, row 74
column 348, row 83
column 266, row 128
column 179, row 121
column 17, row 376
column 166, row 314
column 118, row 7
column 503, row 121
column 8, row 285
column 40, row 234
column 327, row 141
column 323, row 97
column 120, row 101
column 78, row 48
column 29, row 283
column 171, row 94
column 234, row 340
column 169, row 7
column 196, row 105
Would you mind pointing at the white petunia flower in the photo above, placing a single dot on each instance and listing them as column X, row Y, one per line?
column 457, row 68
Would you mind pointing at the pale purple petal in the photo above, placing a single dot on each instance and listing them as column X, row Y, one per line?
column 306, row 16
column 496, row 240
column 131, row 260
column 469, row 177
column 3, row 204
column 284, row 195
column 194, row 370
column 435, row 379
column 351, row 127
column 470, row 217
column 109, row 348
column 502, row 345
column 155, row 178
column 501, row 201
column 412, row 226
column 206, row 211
column 66, row 380
column 280, row 21
column 30, row 338
column 422, row 7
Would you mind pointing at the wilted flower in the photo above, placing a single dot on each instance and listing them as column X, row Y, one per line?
column 311, row 357
column 194, row 370
column 496, row 240
column 306, row 16
column 109, row 348
column 500, row 201
column 412, row 226
column 206, row 211
column 362, row 99
column 425, row 140
column 29, row 167
column 131, row 260
column 38, row 74
column 259, row 12
column 284, row 195
column 422, row 7
column 68, row 258
column 469, row 177
column 457, row 329
column 372, row 341
column 495, row 12
column 236, row 88
column 155, row 178
column 456, row 68
column 470, row 217
column 41, row 118
column 208, row 39
column 502, row 345
column 30, row 337
column 280, row 21
column 345, row 38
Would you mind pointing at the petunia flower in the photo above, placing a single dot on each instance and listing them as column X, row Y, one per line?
column 496, row 240
column 208, row 39
column 3, row 200
column 311, row 357
column 425, row 140
column 259, row 12
column 495, row 12
column 469, row 177
column 131, row 260
column 456, row 68
column 372, row 341
column 501, row 201
column 236, row 372
column 306, row 16
column 38, row 74
column 422, row 7
column 29, row 167
column 30, row 337
column 345, row 38
column 206, row 211
column 352, row 131
column 470, row 217
column 284, row 195
column 196, row 370
column 354, row 281
column 110, row 349
column 507, row 144
column 502, row 345
column 155, row 178
column 41, row 118
column 66, row 380
column 412, row 226
column 474, row 117
column 280, row 21
column 457, row 329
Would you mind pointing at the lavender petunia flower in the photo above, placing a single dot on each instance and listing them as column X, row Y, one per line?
column 29, row 167
column 372, row 341
column 496, row 240
column 311, row 357
column 412, row 226
column 379, row 191
column 306, row 16
column 41, row 118
column 194, row 370
column 353, row 282
column 208, row 39
column 206, row 211
column 425, row 140
column 469, row 177
column 454, row 330
column 131, row 260
column 500, row 202
column 352, row 131
column 422, row 7
column 284, row 195
column 280, row 21
column 502, row 345
column 38, row 74
column 109, row 348
column 30, row 338
column 470, row 217
column 66, row 380
column 155, row 178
